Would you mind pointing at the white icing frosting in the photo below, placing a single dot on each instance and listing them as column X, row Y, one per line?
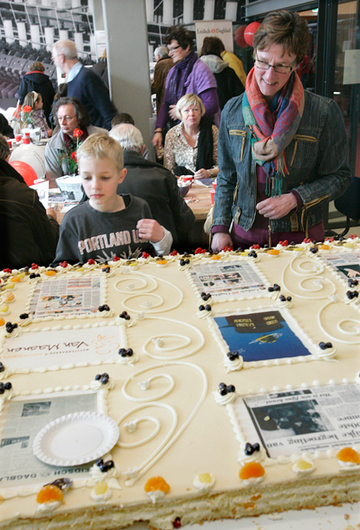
column 232, row 366
column 48, row 507
column 225, row 400
column 156, row 496
column 299, row 460
column 101, row 497
column 202, row 483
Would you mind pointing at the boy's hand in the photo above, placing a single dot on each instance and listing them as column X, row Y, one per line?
column 150, row 229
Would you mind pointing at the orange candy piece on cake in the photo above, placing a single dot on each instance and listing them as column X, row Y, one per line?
column 251, row 470
column 50, row 273
column 348, row 455
column 49, row 493
column 157, row 484
column 273, row 252
column 2, row 321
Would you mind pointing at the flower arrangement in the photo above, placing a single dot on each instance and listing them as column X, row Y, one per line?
column 68, row 158
column 28, row 115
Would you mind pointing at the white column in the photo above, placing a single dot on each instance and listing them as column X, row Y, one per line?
column 209, row 9
column 75, row 3
column 49, row 37
column 188, row 11
column 9, row 31
column 93, row 47
column 230, row 11
column 21, row 27
column 149, row 5
column 168, row 12
column 63, row 34
column 35, row 36
column 79, row 43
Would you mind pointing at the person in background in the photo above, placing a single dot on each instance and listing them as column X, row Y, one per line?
column 5, row 128
column 124, row 117
column 38, row 81
column 161, row 70
column 283, row 151
column 61, row 93
column 234, row 62
column 84, row 84
column 191, row 146
column 73, row 119
column 28, row 233
column 100, row 68
column 155, row 184
column 34, row 100
column 189, row 75
column 108, row 224
column 303, row 69
column 228, row 83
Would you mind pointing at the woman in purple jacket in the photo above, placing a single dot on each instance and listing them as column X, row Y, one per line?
column 188, row 74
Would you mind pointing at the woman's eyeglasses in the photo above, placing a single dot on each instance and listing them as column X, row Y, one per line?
column 278, row 68
column 172, row 49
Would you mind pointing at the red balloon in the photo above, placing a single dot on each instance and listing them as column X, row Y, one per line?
column 249, row 32
column 26, row 171
column 239, row 37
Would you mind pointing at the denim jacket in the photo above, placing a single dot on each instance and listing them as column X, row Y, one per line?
column 316, row 160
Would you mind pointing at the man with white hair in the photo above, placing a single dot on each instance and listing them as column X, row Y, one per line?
column 152, row 182
column 83, row 84
column 161, row 70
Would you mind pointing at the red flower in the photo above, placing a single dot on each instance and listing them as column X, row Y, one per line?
column 77, row 133
column 73, row 156
column 27, row 108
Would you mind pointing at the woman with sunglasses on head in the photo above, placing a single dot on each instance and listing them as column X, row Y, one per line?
column 188, row 75
column 282, row 150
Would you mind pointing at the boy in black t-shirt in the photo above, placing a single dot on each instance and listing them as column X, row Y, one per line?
column 107, row 225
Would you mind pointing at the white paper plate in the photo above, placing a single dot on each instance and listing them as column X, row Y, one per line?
column 76, row 439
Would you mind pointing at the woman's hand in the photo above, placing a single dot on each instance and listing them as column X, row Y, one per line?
column 150, row 229
column 221, row 240
column 172, row 112
column 157, row 140
column 277, row 207
column 202, row 174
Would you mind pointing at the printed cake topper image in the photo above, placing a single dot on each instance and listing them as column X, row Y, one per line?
column 262, row 335
column 228, row 279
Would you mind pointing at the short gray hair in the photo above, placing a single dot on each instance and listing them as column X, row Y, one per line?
column 4, row 148
column 161, row 51
column 128, row 136
column 65, row 47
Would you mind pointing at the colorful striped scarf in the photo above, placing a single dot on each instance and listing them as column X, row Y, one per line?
column 271, row 129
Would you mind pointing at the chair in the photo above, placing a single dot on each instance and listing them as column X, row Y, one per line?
column 349, row 205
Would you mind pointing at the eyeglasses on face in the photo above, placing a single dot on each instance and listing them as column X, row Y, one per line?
column 172, row 48
column 278, row 68
column 65, row 118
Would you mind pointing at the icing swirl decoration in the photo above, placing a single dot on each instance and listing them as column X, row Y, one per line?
column 133, row 474
column 146, row 289
column 340, row 327
column 160, row 346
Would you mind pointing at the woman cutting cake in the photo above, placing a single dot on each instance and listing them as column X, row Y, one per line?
column 282, row 150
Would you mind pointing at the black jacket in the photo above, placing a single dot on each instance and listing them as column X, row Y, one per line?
column 41, row 83
column 26, row 234
column 158, row 186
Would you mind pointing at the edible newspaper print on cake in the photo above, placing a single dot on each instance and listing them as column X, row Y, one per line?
column 307, row 420
column 262, row 335
column 347, row 264
column 66, row 296
column 22, row 420
column 223, row 280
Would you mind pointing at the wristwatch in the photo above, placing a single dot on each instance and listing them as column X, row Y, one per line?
column 211, row 173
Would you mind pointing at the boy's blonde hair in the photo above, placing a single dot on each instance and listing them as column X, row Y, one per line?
column 101, row 145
